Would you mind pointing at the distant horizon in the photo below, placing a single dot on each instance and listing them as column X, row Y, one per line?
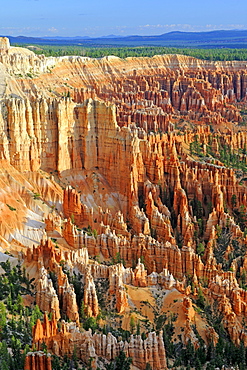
column 43, row 18
column 119, row 36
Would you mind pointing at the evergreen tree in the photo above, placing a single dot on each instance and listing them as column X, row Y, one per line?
column 121, row 362
column 3, row 317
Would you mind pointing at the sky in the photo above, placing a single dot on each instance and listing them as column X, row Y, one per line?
column 119, row 17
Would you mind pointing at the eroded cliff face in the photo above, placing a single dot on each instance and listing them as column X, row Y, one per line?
column 132, row 189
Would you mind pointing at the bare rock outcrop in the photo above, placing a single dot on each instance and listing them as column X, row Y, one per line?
column 141, row 351
column 38, row 361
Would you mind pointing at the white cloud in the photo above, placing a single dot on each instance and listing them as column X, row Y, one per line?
column 190, row 27
column 52, row 30
column 20, row 30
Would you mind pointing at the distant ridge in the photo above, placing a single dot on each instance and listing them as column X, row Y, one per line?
column 211, row 39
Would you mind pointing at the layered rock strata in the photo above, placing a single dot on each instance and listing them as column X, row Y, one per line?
column 150, row 350
column 142, row 168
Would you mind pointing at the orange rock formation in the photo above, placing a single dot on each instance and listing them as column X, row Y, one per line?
column 142, row 167
column 38, row 361
column 141, row 351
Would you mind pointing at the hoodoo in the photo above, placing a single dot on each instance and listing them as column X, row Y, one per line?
column 123, row 205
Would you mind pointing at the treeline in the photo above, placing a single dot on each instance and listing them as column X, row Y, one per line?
column 16, row 320
column 139, row 51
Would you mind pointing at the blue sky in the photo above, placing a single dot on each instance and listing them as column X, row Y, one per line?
column 119, row 17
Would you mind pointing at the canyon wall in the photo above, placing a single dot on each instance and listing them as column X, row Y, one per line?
column 126, row 178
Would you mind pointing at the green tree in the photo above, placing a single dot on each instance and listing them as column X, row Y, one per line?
column 234, row 200
column 121, row 362
column 18, row 356
column 200, row 249
column 35, row 315
column 138, row 328
column 200, row 301
column 3, row 314
column 4, row 356
column 132, row 324
column 91, row 323
column 56, row 365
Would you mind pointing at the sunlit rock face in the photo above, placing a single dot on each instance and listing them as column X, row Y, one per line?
column 129, row 174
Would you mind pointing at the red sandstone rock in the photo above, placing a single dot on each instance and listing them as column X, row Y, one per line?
column 90, row 296
column 129, row 174
column 141, row 351
column 37, row 361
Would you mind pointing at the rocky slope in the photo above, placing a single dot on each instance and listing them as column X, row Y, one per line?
column 123, row 191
